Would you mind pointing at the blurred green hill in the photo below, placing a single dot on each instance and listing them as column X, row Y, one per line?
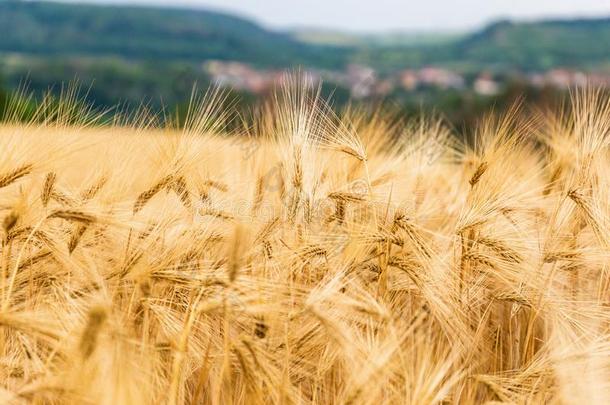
column 148, row 33
column 172, row 34
column 133, row 54
column 506, row 45
column 583, row 43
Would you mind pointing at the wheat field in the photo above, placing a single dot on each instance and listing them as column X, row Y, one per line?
column 313, row 258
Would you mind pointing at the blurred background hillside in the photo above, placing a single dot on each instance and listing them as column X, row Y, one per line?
column 129, row 54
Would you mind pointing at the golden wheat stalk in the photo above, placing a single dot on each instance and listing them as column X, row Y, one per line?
column 477, row 277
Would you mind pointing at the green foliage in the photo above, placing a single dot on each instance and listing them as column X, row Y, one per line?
column 539, row 45
column 156, row 34
column 506, row 46
column 3, row 97
column 144, row 55
column 171, row 35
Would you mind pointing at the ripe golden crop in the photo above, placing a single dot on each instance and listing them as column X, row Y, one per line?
column 321, row 259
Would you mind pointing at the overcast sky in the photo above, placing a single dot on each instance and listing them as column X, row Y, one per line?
column 389, row 15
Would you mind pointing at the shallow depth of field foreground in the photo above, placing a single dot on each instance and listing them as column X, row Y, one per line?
column 355, row 259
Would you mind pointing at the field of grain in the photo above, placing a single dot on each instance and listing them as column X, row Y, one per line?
column 316, row 259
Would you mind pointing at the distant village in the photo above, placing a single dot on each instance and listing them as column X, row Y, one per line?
column 363, row 81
